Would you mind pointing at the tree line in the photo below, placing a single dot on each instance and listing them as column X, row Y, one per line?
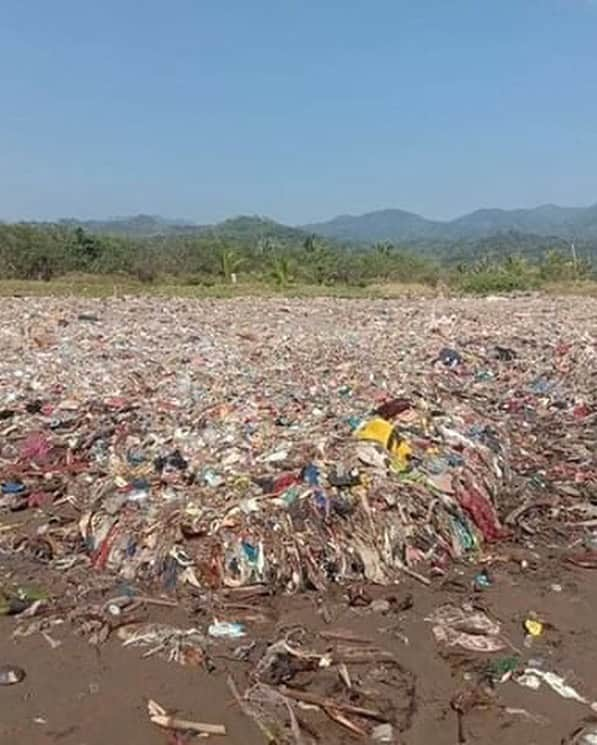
column 43, row 252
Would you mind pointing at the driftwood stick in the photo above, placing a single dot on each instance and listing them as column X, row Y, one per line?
column 326, row 703
column 159, row 716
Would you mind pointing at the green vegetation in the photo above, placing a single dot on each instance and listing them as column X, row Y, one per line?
column 516, row 273
column 255, row 253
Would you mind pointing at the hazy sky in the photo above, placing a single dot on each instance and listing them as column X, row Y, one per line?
column 295, row 109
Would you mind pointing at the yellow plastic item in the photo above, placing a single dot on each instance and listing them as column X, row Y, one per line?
column 403, row 450
column 377, row 429
column 534, row 628
column 381, row 431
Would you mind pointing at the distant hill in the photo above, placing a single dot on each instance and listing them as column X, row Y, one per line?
column 377, row 226
column 243, row 227
column 399, row 226
column 254, row 228
column 137, row 225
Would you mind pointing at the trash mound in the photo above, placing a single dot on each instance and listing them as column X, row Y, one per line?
column 292, row 444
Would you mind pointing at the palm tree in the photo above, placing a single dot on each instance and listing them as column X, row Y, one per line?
column 309, row 244
column 230, row 263
column 281, row 269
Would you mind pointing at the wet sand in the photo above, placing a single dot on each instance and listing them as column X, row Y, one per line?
column 78, row 694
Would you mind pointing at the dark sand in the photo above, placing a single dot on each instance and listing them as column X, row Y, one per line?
column 81, row 695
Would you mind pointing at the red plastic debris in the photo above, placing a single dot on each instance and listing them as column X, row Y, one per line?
column 482, row 512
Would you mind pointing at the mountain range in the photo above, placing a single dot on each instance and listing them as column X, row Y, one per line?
column 398, row 226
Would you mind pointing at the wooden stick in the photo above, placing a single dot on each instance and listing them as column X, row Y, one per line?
column 339, row 718
column 140, row 599
column 344, row 675
column 323, row 703
column 344, row 637
column 158, row 716
column 375, row 655
column 157, row 601
column 269, row 736
column 186, row 726
column 415, row 575
column 294, row 725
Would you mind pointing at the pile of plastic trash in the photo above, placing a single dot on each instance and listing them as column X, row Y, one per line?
column 289, row 443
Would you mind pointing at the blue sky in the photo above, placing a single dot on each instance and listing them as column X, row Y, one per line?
column 298, row 110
